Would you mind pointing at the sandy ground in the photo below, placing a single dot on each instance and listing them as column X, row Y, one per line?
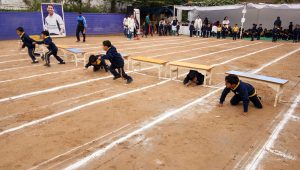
column 58, row 117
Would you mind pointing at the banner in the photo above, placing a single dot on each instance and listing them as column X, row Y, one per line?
column 53, row 19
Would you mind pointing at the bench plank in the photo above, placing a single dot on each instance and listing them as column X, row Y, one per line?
column 150, row 60
column 258, row 77
column 191, row 65
column 75, row 50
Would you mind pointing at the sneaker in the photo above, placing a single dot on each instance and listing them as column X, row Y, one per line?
column 116, row 77
column 47, row 64
column 34, row 62
column 129, row 80
column 62, row 62
column 78, row 41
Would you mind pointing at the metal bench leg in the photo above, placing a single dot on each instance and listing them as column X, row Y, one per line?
column 278, row 95
column 177, row 72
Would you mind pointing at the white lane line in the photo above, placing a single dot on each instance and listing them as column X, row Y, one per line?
column 80, row 107
column 296, row 118
column 219, row 52
column 281, row 154
column 256, row 160
column 39, row 75
column 81, row 146
column 10, row 61
column 16, row 68
column 177, row 46
column 184, row 51
column 56, row 103
column 7, row 55
column 159, row 119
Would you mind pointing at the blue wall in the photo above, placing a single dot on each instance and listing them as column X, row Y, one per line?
column 32, row 23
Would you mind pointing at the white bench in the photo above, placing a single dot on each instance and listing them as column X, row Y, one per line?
column 203, row 69
column 74, row 51
column 136, row 61
column 275, row 83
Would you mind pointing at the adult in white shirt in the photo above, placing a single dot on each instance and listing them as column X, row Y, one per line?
column 53, row 22
column 226, row 22
column 131, row 26
column 198, row 26
column 125, row 26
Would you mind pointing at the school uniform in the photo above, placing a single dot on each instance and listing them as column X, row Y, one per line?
column 296, row 35
column 235, row 31
column 81, row 25
column 243, row 92
column 275, row 33
column 259, row 31
column 194, row 74
column 192, row 28
column 27, row 42
column 224, row 30
column 99, row 65
column 214, row 30
column 117, row 62
column 253, row 32
column 219, row 29
column 52, row 50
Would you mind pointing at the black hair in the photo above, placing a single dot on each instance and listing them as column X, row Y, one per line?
column 107, row 43
column 21, row 29
column 80, row 13
column 232, row 79
column 45, row 33
column 93, row 58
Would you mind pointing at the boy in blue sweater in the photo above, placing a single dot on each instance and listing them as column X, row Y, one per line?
column 51, row 47
column 27, row 42
column 81, row 27
column 116, row 60
column 243, row 92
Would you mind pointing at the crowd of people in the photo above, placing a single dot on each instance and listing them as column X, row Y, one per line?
column 204, row 28
column 199, row 28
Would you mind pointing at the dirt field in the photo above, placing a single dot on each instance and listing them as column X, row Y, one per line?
column 64, row 117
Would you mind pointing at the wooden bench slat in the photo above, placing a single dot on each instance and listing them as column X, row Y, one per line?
column 150, row 60
column 258, row 77
column 191, row 65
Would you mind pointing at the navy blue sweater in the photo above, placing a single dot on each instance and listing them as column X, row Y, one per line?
column 27, row 41
column 50, row 45
column 114, row 57
column 245, row 90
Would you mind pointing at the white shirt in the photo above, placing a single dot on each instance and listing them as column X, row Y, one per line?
column 226, row 22
column 198, row 24
column 53, row 23
column 214, row 29
column 125, row 23
column 131, row 24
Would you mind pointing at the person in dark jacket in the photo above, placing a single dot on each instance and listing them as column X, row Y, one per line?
column 95, row 61
column 275, row 33
column 243, row 92
column 81, row 27
column 192, row 28
column 27, row 42
column 296, row 34
column 47, row 41
column 116, row 60
column 253, row 32
column 277, row 22
column 259, row 31
column 193, row 77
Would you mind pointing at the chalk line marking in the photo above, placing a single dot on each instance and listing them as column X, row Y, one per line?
column 155, row 121
column 39, row 75
column 296, row 118
column 253, row 164
column 281, row 154
column 80, row 107
column 78, row 147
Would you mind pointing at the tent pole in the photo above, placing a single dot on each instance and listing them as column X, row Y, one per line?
column 174, row 11
column 243, row 20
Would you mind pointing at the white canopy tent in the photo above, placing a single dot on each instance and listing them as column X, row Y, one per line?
column 264, row 14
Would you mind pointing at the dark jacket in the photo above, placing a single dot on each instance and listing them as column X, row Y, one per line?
column 27, row 41
column 245, row 91
column 192, row 74
column 114, row 57
column 50, row 45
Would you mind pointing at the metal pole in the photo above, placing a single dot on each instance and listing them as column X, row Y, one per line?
column 243, row 20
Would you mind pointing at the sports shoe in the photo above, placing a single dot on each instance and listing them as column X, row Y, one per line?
column 47, row 64
column 34, row 62
column 116, row 77
column 129, row 80
column 62, row 62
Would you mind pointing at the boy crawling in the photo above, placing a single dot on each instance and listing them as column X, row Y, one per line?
column 95, row 61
